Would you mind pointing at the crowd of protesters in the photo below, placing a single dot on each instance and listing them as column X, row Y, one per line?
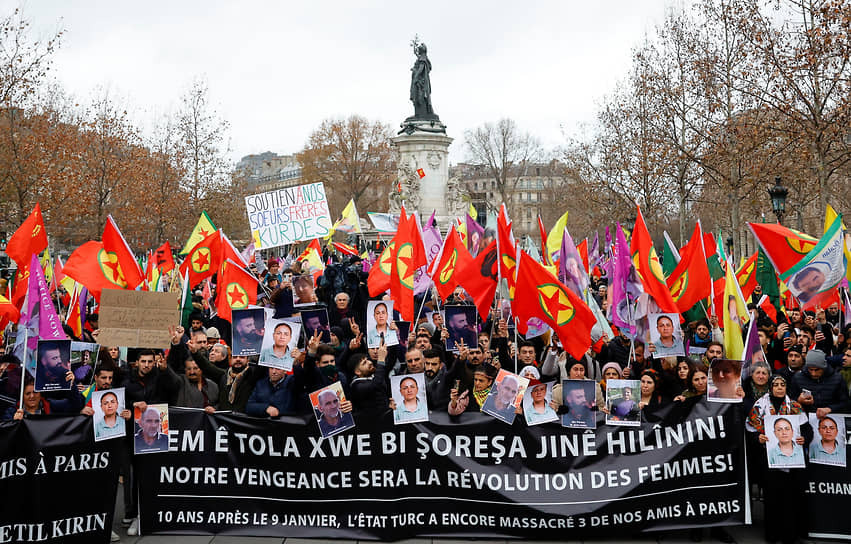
column 806, row 369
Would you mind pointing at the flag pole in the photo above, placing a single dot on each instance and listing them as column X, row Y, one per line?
column 516, row 349
column 24, row 367
column 428, row 290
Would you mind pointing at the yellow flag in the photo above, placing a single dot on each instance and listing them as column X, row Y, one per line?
column 735, row 316
column 556, row 235
column 829, row 215
column 348, row 222
column 473, row 213
column 47, row 266
column 203, row 228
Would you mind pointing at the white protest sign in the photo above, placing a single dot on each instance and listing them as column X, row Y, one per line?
column 288, row 215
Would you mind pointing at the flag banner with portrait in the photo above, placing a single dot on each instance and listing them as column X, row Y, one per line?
column 815, row 277
column 229, row 474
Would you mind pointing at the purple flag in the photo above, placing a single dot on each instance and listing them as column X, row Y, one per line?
column 83, row 298
column 432, row 242
column 620, row 264
column 49, row 324
column 594, row 252
column 475, row 233
column 38, row 317
column 752, row 347
column 571, row 268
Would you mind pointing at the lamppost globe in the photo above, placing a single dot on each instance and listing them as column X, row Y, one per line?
column 778, row 194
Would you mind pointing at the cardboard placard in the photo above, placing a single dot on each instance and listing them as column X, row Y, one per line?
column 137, row 319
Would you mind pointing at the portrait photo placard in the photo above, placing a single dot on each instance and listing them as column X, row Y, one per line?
column 536, row 404
column 379, row 324
column 622, row 398
column 409, row 394
column 326, row 407
column 108, row 405
column 280, row 339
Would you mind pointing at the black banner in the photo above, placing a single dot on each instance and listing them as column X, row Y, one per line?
column 229, row 474
column 56, row 483
column 828, row 496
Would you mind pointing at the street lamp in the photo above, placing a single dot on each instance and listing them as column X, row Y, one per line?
column 778, row 194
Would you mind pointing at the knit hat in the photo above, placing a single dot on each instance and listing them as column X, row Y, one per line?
column 816, row 359
column 616, row 366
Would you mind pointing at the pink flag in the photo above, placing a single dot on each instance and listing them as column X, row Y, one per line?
column 475, row 234
column 619, row 265
column 432, row 241
column 49, row 324
column 38, row 318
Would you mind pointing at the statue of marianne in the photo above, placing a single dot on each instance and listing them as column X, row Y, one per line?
column 421, row 84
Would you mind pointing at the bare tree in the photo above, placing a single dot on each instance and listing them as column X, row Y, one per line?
column 805, row 53
column 24, row 64
column 353, row 159
column 506, row 152
column 204, row 136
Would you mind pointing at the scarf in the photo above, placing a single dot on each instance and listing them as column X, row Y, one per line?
column 480, row 396
column 767, row 405
column 234, row 379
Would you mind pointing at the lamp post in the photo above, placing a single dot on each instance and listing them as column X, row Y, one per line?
column 778, row 194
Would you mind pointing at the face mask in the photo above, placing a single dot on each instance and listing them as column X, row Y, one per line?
column 329, row 371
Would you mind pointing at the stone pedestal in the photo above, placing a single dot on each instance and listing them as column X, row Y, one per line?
column 423, row 148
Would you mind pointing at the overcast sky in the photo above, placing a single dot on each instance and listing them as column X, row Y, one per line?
column 277, row 69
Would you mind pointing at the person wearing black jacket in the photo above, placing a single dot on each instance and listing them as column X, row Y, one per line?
column 235, row 384
column 370, row 390
column 143, row 385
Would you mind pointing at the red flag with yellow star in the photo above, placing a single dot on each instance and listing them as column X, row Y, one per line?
column 478, row 277
column 408, row 256
column 163, row 259
column 237, row 289
column 540, row 294
column 784, row 247
column 204, row 259
column 91, row 265
column 507, row 250
column 379, row 275
column 648, row 267
column 453, row 256
column 8, row 312
column 746, row 275
column 28, row 239
column 115, row 244
column 690, row 281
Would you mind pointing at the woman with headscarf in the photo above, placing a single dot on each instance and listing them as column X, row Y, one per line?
column 783, row 488
column 576, row 371
column 459, row 402
column 756, row 384
column 610, row 371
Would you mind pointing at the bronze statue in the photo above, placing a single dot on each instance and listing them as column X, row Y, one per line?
column 424, row 119
column 421, row 84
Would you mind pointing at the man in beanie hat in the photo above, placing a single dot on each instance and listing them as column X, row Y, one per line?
column 819, row 388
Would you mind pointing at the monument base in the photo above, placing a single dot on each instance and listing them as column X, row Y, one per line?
column 423, row 172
